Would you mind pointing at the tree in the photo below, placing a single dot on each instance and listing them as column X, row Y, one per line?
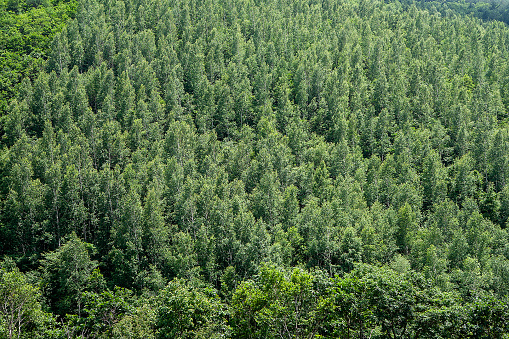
column 406, row 225
column 103, row 311
column 127, row 255
column 350, row 249
column 60, row 56
column 504, row 207
column 138, row 324
column 67, row 273
column 433, row 180
column 487, row 318
column 20, row 306
column 187, row 311
column 279, row 305
column 393, row 298
column 352, row 315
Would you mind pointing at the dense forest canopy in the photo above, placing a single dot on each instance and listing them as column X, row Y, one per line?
column 485, row 9
column 26, row 31
column 253, row 169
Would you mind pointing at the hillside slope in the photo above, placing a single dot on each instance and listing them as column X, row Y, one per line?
column 199, row 168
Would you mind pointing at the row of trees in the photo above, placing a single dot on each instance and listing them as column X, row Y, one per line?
column 368, row 302
column 205, row 141
column 486, row 9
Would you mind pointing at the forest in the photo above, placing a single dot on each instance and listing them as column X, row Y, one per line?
column 254, row 169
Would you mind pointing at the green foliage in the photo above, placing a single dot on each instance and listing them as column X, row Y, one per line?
column 20, row 307
column 278, row 304
column 67, row 273
column 139, row 324
column 187, row 311
column 104, row 311
column 27, row 29
column 330, row 169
